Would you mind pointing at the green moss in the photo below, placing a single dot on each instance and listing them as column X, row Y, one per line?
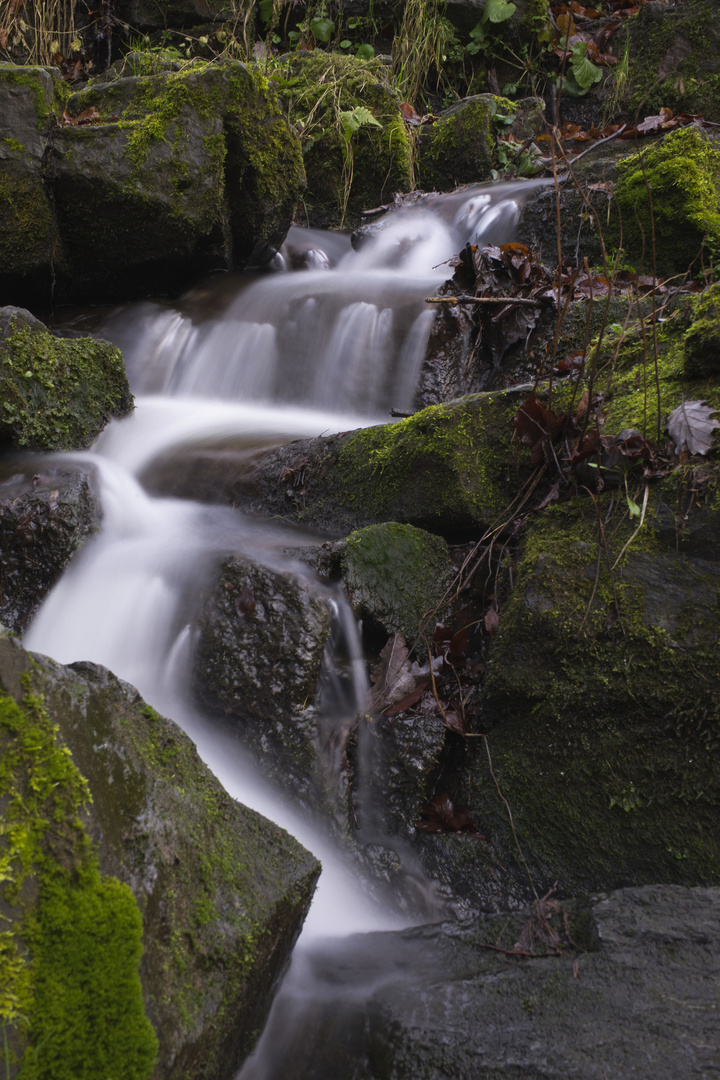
column 610, row 766
column 446, row 465
column 27, row 229
column 674, row 62
column 69, row 966
column 395, row 574
column 344, row 179
column 702, row 340
column 48, row 89
column 460, row 148
column 58, row 394
column 683, row 175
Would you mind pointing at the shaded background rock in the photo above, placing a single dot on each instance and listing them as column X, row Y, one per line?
column 222, row 892
column 44, row 519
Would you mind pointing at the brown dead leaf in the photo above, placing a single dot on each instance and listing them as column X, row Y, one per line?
column 442, row 815
column 392, row 679
column 90, row 115
column 491, row 622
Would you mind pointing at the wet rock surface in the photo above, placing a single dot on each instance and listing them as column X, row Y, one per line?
column 262, row 638
column 44, row 518
column 635, row 997
column 222, row 892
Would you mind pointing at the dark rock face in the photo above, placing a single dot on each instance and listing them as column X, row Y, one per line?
column 222, row 892
column 261, row 644
column 182, row 172
column 44, row 519
column 634, row 998
column 57, row 393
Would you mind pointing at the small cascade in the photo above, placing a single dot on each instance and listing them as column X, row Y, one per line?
column 332, row 340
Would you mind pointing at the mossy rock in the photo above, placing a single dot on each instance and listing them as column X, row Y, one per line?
column 602, row 698
column 674, row 60
column 449, row 469
column 29, row 100
column 345, row 175
column 395, row 574
column 459, row 148
column 188, row 171
column 702, row 340
column 56, row 393
column 139, row 895
column 682, row 172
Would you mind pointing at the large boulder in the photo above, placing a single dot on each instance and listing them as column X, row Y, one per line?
column 630, row 992
column 167, row 175
column 121, row 849
column 44, row 518
column 448, row 469
column 668, row 189
column 57, row 393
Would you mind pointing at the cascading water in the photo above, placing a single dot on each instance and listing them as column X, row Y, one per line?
column 288, row 355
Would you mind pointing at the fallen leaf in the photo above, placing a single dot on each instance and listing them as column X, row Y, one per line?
column 88, row 116
column 441, row 815
column 392, row 679
column 492, row 622
column 691, row 427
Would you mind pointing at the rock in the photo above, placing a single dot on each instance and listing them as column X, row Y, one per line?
column 395, row 574
column 56, row 393
column 44, row 519
column 146, row 15
column 674, row 59
column 445, row 469
column 459, row 148
column 216, row 893
column 181, row 171
column 345, row 175
column 683, row 170
column 602, row 742
column 262, row 638
column 29, row 102
column 608, row 1005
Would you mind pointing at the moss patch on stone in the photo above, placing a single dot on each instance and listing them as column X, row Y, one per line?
column 611, row 769
column 72, row 1001
column 682, row 172
column 56, row 393
column 395, row 574
column 459, row 148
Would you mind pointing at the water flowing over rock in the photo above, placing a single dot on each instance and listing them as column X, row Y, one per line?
column 221, row 891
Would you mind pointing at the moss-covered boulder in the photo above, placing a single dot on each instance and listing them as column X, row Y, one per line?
column 147, row 915
column 56, row 393
column 602, row 701
column 702, row 340
column 449, row 469
column 30, row 100
column 395, row 574
column 615, row 209
column 185, row 171
column 356, row 146
column 673, row 60
column 44, row 518
column 168, row 175
column 459, row 148
column 262, row 637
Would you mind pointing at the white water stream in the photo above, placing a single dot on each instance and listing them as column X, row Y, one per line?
column 326, row 348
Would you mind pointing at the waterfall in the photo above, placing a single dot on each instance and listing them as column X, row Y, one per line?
column 331, row 341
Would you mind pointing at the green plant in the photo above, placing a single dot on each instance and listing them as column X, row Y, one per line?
column 421, row 46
